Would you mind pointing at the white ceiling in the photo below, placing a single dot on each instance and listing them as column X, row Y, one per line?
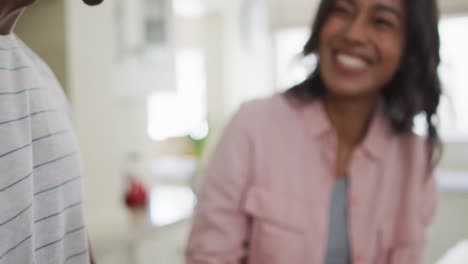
column 283, row 13
column 291, row 12
column 286, row 12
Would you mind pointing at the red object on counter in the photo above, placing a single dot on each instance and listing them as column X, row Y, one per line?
column 136, row 196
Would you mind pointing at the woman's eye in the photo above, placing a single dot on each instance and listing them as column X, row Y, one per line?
column 384, row 23
column 341, row 10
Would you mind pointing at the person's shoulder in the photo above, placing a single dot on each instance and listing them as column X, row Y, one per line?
column 264, row 115
column 414, row 148
column 414, row 141
column 266, row 108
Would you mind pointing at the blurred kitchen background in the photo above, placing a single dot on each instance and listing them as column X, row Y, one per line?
column 152, row 82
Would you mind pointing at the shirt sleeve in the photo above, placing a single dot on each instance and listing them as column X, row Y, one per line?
column 414, row 251
column 220, row 229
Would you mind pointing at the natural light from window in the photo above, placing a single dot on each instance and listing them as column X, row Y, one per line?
column 183, row 111
column 454, row 76
column 290, row 66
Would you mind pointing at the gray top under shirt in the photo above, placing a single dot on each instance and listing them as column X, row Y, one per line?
column 338, row 251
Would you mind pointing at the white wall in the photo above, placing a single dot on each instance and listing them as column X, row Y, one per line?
column 245, row 72
column 45, row 34
column 453, row 6
column 214, row 44
column 235, row 72
column 90, row 48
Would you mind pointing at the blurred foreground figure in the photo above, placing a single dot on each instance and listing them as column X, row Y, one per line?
column 41, row 214
column 330, row 171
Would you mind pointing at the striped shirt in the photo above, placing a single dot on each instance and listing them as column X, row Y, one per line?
column 41, row 214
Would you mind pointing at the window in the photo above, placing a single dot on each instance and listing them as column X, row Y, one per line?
column 453, row 110
column 183, row 111
column 290, row 67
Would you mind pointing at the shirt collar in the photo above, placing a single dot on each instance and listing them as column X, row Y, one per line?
column 318, row 125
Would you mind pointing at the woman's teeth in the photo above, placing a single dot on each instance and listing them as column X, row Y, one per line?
column 351, row 62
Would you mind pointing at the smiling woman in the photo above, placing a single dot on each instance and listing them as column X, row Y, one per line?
column 411, row 87
column 330, row 171
column 360, row 50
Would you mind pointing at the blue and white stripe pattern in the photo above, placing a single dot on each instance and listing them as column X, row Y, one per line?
column 41, row 206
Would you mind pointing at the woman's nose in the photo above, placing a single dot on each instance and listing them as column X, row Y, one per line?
column 357, row 31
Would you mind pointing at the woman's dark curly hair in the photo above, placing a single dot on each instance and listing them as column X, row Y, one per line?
column 415, row 87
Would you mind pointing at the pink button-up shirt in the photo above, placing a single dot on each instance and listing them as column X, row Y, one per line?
column 266, row 194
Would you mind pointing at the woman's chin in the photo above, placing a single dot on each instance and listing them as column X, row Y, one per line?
column 351, row 92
